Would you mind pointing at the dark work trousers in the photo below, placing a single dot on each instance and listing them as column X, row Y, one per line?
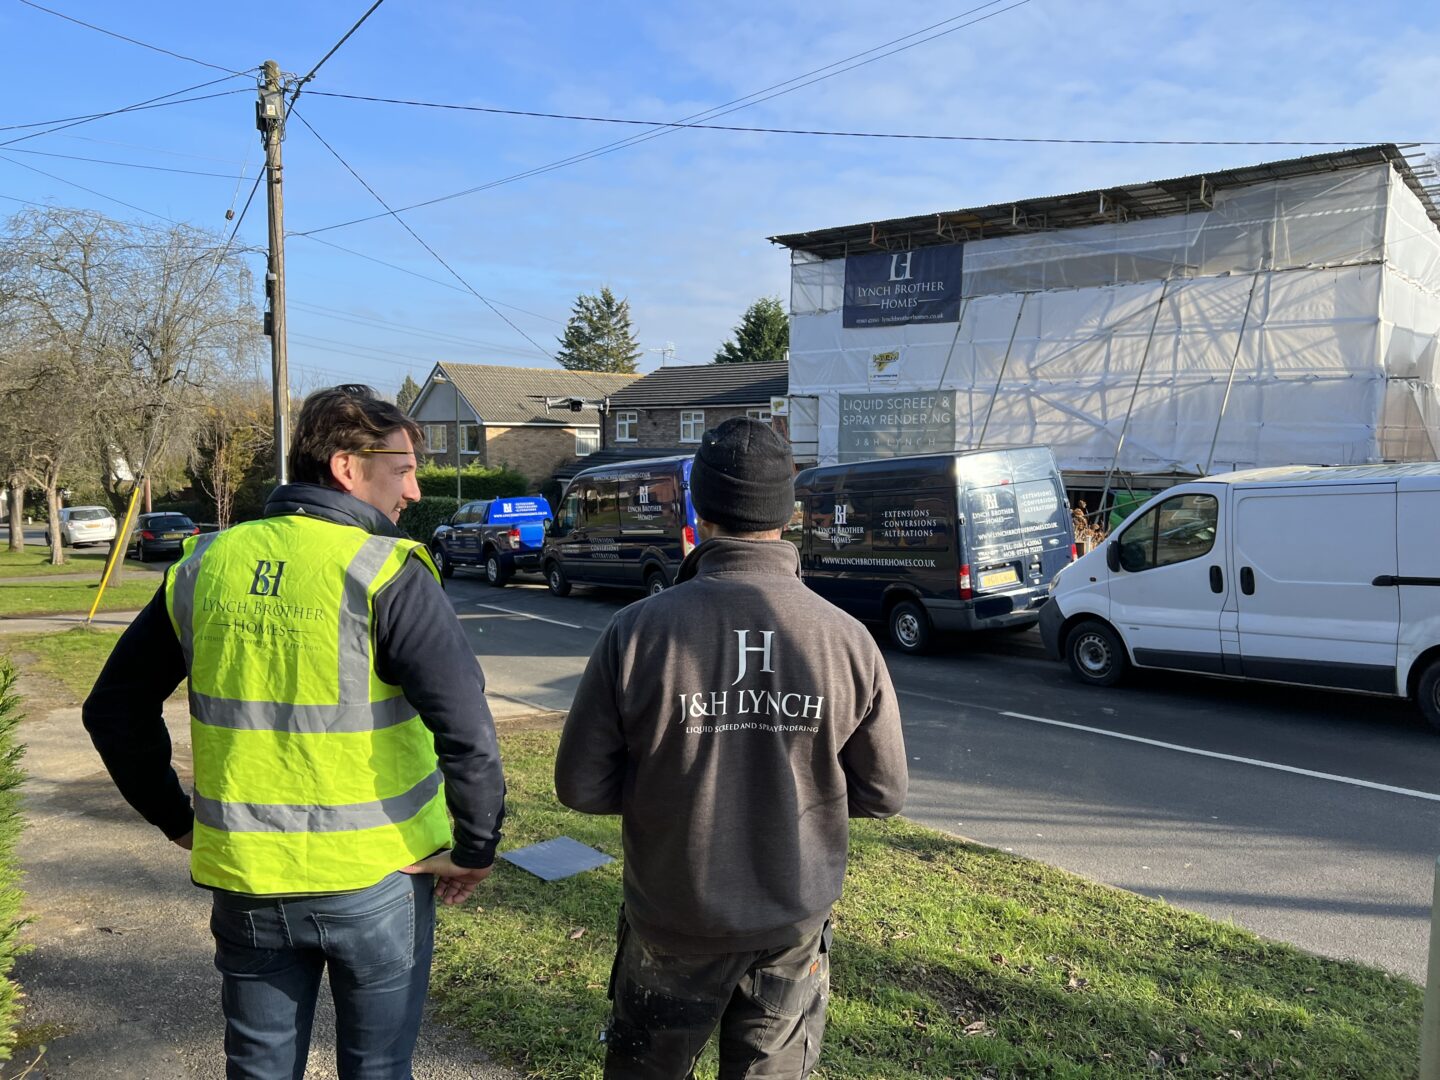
column 769, row 1006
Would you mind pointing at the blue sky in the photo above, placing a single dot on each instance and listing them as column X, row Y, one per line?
column 677, row 224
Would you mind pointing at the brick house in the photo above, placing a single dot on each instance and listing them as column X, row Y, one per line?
column 502, row 419
column 668, row 410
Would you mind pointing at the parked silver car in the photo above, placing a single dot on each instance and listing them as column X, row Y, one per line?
column 81, row 525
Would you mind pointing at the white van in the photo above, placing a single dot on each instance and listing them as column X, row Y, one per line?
column 1320, row 576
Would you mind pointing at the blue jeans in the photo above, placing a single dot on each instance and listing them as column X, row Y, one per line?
column 272, row 952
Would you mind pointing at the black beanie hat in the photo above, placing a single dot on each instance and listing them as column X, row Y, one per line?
column 743, row 478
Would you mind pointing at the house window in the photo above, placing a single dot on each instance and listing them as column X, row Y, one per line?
column 625, row 424
column 470, row 438
column 436, row 438
column 692, row 425
column 587, row 441
column 763, row 415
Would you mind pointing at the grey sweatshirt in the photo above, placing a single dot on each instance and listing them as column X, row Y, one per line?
column 735, row 722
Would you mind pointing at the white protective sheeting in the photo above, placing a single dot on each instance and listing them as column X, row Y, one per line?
column 1077, row 337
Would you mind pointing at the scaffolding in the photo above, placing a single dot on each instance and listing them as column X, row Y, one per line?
column 1291, row 320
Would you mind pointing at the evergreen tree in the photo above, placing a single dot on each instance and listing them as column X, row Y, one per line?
column 762, row 336
column 409, row 391
column 598, row 336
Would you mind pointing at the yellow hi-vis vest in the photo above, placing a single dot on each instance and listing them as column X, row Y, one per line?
column 311, row 773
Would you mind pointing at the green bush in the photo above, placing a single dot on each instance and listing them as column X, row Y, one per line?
column 476, row 482
column 420, row 519
column 11, row 750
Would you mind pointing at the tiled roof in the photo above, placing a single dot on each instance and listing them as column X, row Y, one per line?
column 706, row 384
column 511, row 395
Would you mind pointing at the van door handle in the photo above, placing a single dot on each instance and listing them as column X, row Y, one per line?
column 1217, row 580
column 1247, row 581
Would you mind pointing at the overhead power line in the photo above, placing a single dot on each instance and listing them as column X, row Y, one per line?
column 420, row 240
column 152, row 103
column 422, row 333
column 849, row 134
column 809, row 78
column 299, row 86
column 132, row 41
column 90, row 190
column 125, row 164
column 417, row 274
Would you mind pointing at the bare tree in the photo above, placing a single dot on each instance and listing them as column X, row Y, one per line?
column 136, row 321
column 236, row 429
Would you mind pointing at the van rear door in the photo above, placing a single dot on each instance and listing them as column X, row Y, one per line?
column 1306, row 559
column 1017, row 520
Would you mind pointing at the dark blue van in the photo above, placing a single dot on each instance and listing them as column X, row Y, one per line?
column 961, row 541
column 629, row 524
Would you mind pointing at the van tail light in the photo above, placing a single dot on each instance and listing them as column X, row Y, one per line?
column 147, row 534
column 514, row 534
column 687, row 540
column 1074, row 553
column 967, row 591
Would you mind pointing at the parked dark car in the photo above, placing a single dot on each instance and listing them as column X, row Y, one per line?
column 961, row 541
column 629, row 524
column 161, row 533
column 500, row 535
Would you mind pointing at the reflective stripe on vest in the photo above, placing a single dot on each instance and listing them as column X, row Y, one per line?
column 311, row 773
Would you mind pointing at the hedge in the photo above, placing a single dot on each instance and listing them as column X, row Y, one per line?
column 11, row 750
column 420, row 519
column 476, row 482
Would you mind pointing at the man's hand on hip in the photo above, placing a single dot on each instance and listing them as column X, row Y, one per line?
column 453, row 884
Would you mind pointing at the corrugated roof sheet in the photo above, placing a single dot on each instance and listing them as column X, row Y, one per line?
column 1156, row 198
column 500, row 394
column 706, row 384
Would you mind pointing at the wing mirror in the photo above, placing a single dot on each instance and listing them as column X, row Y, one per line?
column 1112, row 556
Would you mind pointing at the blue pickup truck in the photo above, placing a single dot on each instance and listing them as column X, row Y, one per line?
column 501, row 535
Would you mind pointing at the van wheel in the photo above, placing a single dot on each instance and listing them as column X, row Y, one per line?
column 447, row 568
column 1427, row 694
column 654, row 582
column 1095, row 654
column 556, row 579
column 909, row 627
column 495, row 572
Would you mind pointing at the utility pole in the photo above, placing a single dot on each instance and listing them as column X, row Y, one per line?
column 270, row 119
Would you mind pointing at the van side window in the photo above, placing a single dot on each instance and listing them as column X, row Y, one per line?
column 569, row 513
column 794, row 529
column 649, row 504
column 1175, row 531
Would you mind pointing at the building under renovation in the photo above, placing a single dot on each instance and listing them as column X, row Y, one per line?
column 1287, row 312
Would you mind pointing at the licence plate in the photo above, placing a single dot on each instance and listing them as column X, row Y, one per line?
column 172, row 536
column 1008, row 576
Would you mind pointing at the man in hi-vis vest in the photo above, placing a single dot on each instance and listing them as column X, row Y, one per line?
column 336, row 714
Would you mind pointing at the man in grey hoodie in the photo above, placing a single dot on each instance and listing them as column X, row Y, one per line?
column 734, row 722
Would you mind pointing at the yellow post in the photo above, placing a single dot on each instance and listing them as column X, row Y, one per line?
column 118, row 553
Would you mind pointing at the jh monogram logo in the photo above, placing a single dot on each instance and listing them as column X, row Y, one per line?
column 746, row 648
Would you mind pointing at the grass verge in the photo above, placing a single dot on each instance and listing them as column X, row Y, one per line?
column 35, row 562
column 21, row 598
column 73, row 658
column 11, row 777
column 950, row 960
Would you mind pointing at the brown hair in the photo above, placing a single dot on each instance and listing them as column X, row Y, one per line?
column 342, row 418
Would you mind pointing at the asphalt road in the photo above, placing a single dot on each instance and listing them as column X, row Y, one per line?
column 1308, row 817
